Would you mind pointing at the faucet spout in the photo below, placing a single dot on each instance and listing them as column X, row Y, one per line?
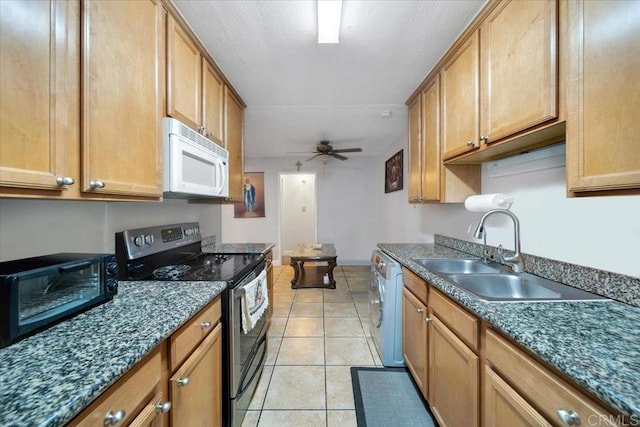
column 515, row 262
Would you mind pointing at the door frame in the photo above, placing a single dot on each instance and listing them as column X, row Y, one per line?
column 282, row 207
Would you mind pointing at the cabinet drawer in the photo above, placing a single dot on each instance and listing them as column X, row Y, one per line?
column 463, row 324
column 193, row 332
column 415, row 284
column 539, row 386
column 127, row 395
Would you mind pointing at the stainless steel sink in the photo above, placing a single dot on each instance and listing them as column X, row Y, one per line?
column 494, row 282
column 519, row 287
column 458, row 265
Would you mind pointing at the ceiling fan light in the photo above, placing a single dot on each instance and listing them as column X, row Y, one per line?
column 329, row 16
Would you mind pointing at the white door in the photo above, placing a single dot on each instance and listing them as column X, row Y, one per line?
column 297, row 210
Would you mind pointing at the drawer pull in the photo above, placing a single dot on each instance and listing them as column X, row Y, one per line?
column 205, row 325
column 183, row 381
column 569, row 418
column 113, row 418
column 163, row 407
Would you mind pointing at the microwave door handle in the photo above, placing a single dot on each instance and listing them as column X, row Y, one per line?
column 220, row 177
column 74, row 267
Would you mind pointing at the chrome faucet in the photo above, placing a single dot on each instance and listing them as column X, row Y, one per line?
column 515, row 262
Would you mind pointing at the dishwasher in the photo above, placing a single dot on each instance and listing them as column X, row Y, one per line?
column 385, row 296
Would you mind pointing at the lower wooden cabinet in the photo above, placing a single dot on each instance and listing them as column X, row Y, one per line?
column 414, row 339
column 196, row 387
column 131, row 398
column 504, row 406
column 182, row 378
column 471, row 375
column 454, row 393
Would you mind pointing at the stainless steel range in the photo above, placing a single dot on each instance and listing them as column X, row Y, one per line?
column 173, row 252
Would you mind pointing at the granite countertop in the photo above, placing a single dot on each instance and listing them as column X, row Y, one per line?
column 50, row 377
column 235, row 248
column 597, row 344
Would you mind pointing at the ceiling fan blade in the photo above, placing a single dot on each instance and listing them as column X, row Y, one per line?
column 311, row 158
column 338, row 156
column 348, row 150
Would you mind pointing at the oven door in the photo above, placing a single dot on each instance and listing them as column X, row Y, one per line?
column 243, row 346
column 249, row 383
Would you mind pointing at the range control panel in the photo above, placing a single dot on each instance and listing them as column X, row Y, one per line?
column 141, row 242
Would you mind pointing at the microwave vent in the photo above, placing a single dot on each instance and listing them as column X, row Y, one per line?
column 178, row 128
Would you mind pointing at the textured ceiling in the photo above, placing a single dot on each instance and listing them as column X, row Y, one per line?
column 299, row 92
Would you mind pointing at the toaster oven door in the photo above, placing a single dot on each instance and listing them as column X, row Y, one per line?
column 48, row 295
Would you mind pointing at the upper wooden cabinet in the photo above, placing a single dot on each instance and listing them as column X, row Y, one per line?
column 603, row 98
column 429, row 179
column 100, row 140
column 36, row 70
column 461, row 99
column 233, row 125
column 122, row 97
column 519, row 62
column 195, row 90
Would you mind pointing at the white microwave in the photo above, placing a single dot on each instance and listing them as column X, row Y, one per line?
column 194, row 166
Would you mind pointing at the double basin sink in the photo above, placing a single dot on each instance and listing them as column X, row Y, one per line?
column 493, row 282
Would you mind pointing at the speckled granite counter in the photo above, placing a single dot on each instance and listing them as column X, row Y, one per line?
column 597, row 344
column 235, row 248
column 50, row 377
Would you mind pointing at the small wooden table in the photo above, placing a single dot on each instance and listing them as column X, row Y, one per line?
column 312, row 277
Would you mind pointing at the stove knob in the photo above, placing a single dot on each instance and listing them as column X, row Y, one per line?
column 188, row 231
column 138, row 240
column 148, row 239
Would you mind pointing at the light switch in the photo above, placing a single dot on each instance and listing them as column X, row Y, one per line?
column 304, row 209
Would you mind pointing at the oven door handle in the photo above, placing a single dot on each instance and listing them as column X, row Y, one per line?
column 262, row 359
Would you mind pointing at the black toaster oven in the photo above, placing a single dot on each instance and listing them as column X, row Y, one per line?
column 36, row 293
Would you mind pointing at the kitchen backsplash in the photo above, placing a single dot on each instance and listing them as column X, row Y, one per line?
column 612, row 285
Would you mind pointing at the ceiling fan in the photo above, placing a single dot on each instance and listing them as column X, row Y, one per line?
column 324, row 148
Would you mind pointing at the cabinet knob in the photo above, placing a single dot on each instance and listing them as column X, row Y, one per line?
column 114, row 418
column 65, row 180
column 96, row 184
column 427, row 319
column 569, row 418
column 183, row 381
column 205, row 325
column 471, row 143
column 163, row 407
column 201, row 129
column 208, row 133
column 485, row 138
column 420, row 310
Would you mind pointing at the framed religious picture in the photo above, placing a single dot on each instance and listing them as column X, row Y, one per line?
column 252, row 205
column 393, row 173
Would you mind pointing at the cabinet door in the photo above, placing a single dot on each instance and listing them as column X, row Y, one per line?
column 415, row 151
column 196, row 387
column 36, row 46
column 431, row 160
column 414, row 339
column 184, row 76
column 519, row 67
column 503, row 406
column 123, row 48
column 152, row 414
column 460, row 100
column 233, row 143
column 453, row 378
column 212, row 103
column 603, row 148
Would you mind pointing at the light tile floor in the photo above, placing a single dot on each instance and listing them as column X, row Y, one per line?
column 316, row 335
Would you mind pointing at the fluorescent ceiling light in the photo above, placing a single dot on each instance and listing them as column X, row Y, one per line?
column 329, row 14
